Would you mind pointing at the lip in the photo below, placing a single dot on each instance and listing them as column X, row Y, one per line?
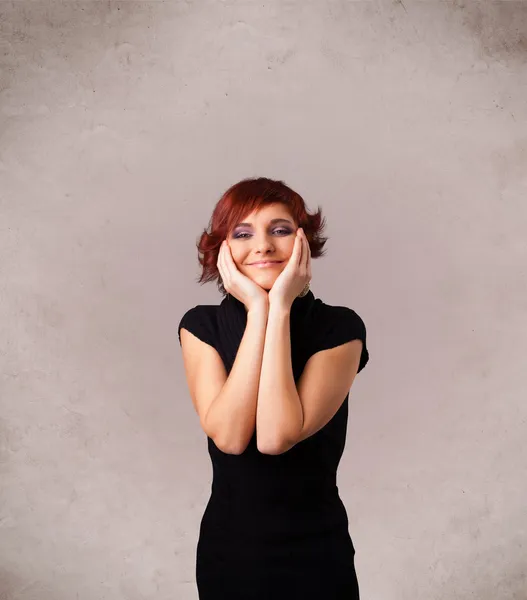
column 266, row 263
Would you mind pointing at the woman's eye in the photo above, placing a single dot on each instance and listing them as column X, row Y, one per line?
column 244, row 234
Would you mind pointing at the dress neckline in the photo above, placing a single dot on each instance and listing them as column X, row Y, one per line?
column 299, row 308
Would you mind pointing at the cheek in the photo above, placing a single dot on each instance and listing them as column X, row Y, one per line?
column 236, row 256
column 288, row 250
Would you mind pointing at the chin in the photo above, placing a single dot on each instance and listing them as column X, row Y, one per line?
column 266, row 285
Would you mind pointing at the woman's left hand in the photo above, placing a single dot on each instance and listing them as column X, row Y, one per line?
column 295, row 276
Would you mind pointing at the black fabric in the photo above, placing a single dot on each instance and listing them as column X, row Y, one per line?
column 200, row 322
column 275, row 526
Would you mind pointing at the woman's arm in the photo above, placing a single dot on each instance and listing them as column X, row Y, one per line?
column 279, row 413
column 288, row 413
column 231, row 418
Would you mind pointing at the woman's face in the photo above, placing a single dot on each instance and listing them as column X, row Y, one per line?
column 266, row 235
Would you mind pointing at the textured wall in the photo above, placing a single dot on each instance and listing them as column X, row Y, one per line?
column 121, row 124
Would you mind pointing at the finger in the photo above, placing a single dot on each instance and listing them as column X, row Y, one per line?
column 230, row 265
column 228, row 255
column 308, row 253
column 294, row 259
column 221, row 264
column 296, row 255
column 305, row 250
column 306, row 256
column 303, row 259
column 307, row 244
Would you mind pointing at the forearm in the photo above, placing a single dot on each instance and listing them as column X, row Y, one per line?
column 279, row 415
column 231, row 418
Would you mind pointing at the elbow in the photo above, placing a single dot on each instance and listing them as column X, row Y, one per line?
column 277, row 444
column 233, row 450
column 271, row 451
column 230, row 446
column 275, row 448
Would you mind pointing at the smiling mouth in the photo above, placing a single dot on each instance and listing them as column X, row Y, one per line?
column 266, row 263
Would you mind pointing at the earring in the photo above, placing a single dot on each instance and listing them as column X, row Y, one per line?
column 304, row 291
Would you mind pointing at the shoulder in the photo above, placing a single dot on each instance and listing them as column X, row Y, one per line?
column 329, row 315
column 335, row 325
column 200, row 320
column 200, row 310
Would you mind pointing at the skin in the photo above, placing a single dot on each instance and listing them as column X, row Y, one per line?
column 260, row 391
column 262, row 237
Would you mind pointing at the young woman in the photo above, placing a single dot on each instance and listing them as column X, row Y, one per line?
column 269, row 371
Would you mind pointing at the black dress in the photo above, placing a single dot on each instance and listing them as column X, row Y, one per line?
column 275, row 526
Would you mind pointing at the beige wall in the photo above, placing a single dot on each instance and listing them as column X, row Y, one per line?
column 121, row 124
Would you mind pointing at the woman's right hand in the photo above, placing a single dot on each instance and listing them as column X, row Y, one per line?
column 239, row 285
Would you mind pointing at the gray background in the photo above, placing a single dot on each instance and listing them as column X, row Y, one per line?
column 121, row 125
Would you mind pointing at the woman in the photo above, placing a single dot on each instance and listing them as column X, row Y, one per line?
column 269, row 371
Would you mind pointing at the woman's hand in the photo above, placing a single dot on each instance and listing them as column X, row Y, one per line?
column 237, row 284
column 296, row 274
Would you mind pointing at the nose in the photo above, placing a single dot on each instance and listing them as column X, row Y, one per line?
column 263, row 245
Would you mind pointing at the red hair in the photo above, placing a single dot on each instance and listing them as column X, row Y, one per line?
column 242, row 199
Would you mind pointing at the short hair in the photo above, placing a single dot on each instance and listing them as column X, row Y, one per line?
column 242, row 199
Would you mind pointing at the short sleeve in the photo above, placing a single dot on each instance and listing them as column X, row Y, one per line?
column 198, row 321
column 342, row 325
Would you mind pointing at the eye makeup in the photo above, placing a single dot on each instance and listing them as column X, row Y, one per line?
column 282, row 231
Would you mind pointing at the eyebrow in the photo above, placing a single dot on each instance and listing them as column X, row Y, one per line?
column 272, row 222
